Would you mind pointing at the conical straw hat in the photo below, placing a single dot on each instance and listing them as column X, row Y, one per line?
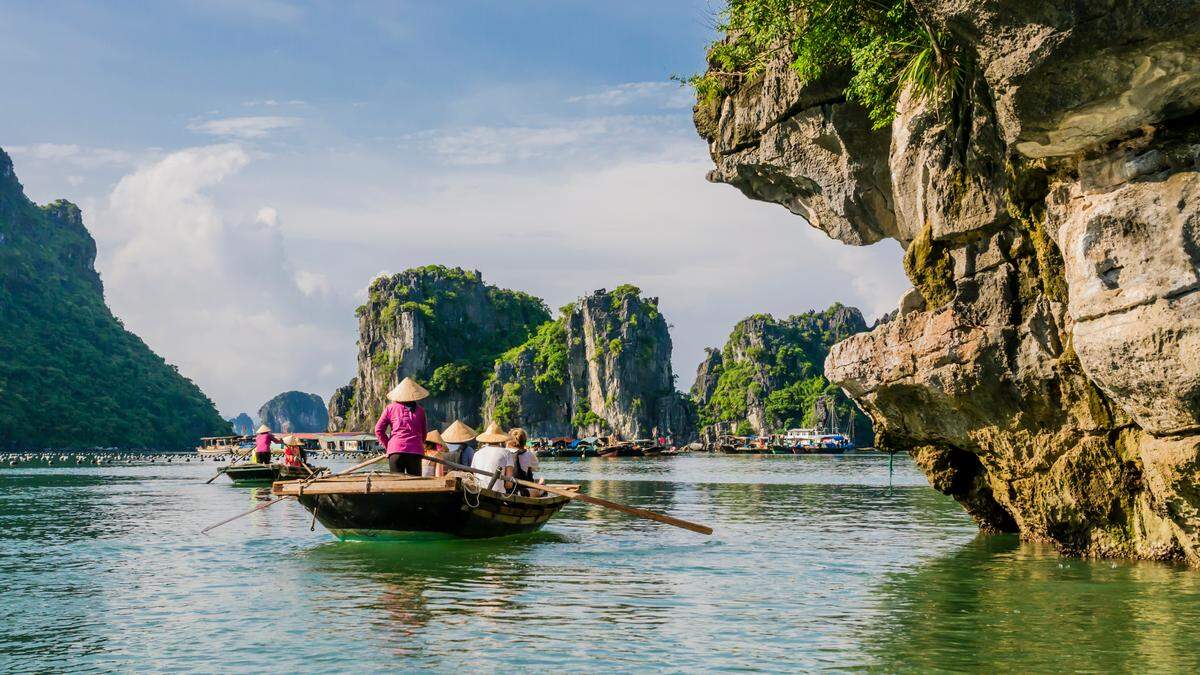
column 493, row 434
column 435, row 438
column 458, row 433
column 407, row 391
column 264, row 429
column 292, row 440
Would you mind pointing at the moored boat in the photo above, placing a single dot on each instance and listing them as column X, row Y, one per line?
column 249, row 473
column 816, row 442
column 395, row 506
column 224, row 445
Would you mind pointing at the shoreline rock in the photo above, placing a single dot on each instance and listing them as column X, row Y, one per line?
column 1048, row 378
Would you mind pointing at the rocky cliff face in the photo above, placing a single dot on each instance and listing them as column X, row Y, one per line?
column 1044, row 370
column 602, row 368
column 295, row 412
column 62, row 351
column 442, row 326
column 769, row 376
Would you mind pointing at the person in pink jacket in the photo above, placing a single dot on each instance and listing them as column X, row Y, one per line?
column 262, row 444
column 401, row 428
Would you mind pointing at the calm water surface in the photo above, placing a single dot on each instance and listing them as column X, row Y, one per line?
column 816, row 563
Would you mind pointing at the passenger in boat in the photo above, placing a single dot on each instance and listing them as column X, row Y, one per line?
column 525, row 461
column 493, row 457
column 293, row 451
column 458, row 438
column 434, row 447
column 262, row 444
column 401, row 428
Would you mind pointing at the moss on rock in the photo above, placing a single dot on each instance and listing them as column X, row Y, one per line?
column 929, row 267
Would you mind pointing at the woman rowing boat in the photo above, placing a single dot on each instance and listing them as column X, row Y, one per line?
column 262, row 444
column 401, row 428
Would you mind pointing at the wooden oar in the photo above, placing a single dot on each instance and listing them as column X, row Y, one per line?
column 275, row 501
column 640, row 513
column 230, row 520
column 222, row 469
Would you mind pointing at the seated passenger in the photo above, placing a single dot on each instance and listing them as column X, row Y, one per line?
column 458, row 437
column 494, row 458
column 293, row 451
column 434, row 447
column 524, row 461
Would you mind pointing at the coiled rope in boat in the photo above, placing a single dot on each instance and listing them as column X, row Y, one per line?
column 470, row 487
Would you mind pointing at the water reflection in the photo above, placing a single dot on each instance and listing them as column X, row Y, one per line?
column 997, row 603
column 813, row 565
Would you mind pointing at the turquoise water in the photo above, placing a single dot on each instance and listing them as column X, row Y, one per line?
column 816, row 563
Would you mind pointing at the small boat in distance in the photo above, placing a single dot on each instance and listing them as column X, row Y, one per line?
column 376, row 506
column 224, row 445
column 816, row 442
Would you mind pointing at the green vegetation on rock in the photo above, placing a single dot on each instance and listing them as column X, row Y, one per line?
column 616, row 343
column 884, row 45
column 549, row 349
column 71, row 375
column 769, row 375
column 461, row 351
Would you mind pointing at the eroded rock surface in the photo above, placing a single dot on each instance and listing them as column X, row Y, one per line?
column 442, row 326
column 1045, row 371
column 602, row 368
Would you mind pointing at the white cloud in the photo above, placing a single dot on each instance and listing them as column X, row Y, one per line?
column 313, row 283
column 69, row 153
column 603, row 138
column 273, row 103
column 712, row 256
column 246, row 128
column 656, row 94
column 215, row 294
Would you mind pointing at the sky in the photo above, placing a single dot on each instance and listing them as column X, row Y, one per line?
column 247, row 167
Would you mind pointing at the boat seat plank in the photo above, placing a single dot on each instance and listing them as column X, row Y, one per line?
column 377, row 484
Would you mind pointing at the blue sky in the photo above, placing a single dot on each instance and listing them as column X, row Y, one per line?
column 248, row 166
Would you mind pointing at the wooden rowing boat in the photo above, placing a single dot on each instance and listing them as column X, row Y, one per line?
column 251, row 473
column 394, row 506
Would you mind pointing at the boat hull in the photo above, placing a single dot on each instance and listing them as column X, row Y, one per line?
column 444, row 509
column 265, row 474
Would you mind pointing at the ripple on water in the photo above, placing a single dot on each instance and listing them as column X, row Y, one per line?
column 816, row 562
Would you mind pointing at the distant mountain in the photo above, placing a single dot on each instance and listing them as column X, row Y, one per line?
column 70, row 374
column 242, row 424
column 770, row 376
column 295, row 412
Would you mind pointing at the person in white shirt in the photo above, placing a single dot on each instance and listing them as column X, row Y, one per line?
column 492, row 456
column 526, row 460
